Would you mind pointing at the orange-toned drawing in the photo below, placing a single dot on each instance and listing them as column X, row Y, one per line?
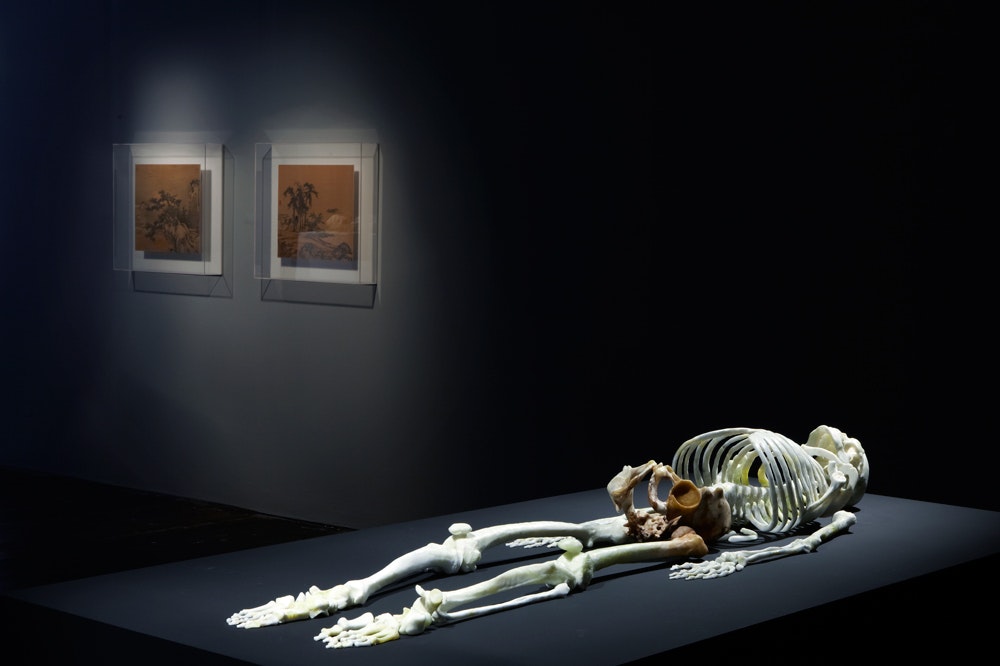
column 316, row 213
column 168, row 208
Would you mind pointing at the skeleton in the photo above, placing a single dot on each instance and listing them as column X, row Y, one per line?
column 722, row 482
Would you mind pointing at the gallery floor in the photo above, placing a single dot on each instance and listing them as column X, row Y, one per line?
column 65, row 544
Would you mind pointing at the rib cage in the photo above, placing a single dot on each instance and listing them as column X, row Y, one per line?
column 791, row 487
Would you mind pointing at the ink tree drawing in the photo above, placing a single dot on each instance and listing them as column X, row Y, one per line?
column 168, row 210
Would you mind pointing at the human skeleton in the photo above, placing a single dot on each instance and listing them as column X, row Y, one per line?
column 723, row 482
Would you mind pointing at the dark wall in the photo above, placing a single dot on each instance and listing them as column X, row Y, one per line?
column 603, row 232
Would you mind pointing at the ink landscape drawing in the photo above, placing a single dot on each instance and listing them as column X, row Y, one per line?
column 316, row 215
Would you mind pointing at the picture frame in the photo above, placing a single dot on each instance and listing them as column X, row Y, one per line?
column 317, row 213
column 168, row 208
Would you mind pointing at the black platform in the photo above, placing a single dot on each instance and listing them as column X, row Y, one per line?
column 907, row 575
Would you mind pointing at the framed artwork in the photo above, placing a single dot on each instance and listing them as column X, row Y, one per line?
column 168, row 208
column 317, row 212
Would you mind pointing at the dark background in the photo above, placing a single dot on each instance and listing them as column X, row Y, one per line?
column 604, row 230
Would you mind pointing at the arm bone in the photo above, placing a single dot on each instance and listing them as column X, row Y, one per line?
column 732, row 561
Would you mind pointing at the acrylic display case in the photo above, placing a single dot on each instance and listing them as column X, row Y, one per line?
column 168, row 216
column 317, row 221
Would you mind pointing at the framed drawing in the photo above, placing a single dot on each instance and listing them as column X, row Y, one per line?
column 317, row 212
column 168, row 208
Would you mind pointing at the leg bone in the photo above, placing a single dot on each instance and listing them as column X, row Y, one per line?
column 461, row 552
column 571, row 571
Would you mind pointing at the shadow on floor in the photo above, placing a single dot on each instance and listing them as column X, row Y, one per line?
column 54, row 529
